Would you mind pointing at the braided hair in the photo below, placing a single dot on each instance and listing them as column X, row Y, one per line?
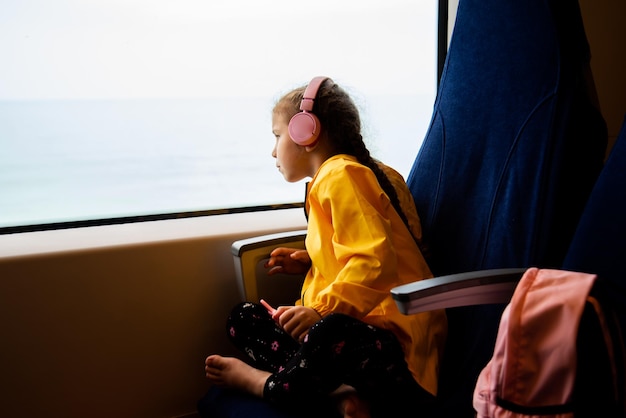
column 339, row 118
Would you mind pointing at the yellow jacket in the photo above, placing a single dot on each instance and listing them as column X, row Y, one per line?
column 360, row 249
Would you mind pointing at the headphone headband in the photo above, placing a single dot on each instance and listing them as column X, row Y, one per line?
column 310, row 93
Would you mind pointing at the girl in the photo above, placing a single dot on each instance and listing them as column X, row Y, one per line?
column 345, row 334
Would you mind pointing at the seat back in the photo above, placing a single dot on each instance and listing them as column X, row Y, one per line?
column 514, row 147
column 599, row 248
column 599, row 244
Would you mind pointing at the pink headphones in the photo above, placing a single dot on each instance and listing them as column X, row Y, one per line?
column 304, row 127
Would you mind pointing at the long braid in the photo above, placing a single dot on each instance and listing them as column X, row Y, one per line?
column 340, row 117
column 363, row 156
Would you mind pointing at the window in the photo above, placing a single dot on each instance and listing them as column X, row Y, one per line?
column 114, row 108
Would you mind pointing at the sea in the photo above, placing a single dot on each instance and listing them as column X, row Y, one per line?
column 68, row 160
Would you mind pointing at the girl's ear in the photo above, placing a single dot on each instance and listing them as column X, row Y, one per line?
column 321, row 140
column 312, row 147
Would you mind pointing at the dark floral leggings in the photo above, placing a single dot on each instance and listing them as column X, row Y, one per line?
column 338, row 350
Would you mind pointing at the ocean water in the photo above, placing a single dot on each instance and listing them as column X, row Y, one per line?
column 91, row 159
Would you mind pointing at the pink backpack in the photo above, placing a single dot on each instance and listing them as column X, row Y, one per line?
column 533, row 371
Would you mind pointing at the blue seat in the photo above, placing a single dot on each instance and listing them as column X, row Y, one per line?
column 598, row 248
column 515, row 143
column 514, row 147
column 599, row 244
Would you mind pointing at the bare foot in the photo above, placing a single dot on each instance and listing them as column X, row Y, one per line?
column 350, row 403
column 233, row 373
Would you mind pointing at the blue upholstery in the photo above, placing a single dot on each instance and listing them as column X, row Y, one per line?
column 599, row 247
column 514, row 144
column 599, row 244
column 514, row 147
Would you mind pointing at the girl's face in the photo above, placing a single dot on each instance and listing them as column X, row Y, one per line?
column 292, row 159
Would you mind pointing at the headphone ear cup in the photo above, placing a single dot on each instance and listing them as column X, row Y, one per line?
column 304, row 128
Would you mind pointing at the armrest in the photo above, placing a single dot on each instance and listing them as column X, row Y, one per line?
column 463, row 289
column 249, row 255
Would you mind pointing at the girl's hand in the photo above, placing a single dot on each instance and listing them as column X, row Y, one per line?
column 289, row 261
column 296, row 320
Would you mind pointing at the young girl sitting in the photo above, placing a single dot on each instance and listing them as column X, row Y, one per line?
column 345, row 336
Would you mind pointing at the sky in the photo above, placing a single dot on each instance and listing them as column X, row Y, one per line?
column 77, row 49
